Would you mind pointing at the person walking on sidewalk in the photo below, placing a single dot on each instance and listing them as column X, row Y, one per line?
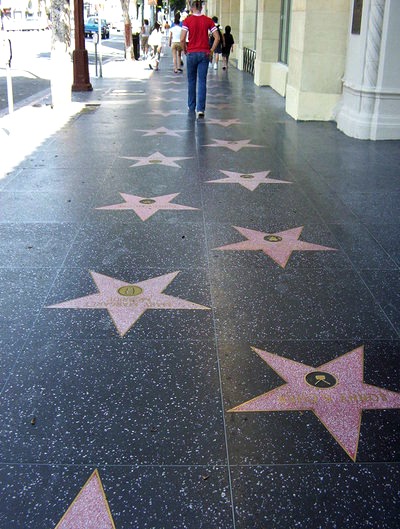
column 144, row 37
column 227, row 46
column 197, row 27
column 175, row 43
column 218, row 49
column 155, row 40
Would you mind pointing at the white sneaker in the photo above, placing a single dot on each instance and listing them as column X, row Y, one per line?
column 215, row 66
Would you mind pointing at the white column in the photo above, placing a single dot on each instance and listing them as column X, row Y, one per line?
column 370, row 107
column 235, row 25
column 267, row 71
column 247, row 28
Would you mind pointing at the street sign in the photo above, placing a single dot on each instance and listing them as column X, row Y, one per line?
column 5, row 51
column 5, row 58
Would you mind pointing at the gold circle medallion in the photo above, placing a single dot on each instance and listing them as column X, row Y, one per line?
column 321, row 380
column 130, row 290
column 273, row 238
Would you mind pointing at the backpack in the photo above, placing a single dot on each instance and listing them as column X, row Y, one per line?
column 221, row 38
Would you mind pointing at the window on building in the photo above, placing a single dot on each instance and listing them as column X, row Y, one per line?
column 284, row 31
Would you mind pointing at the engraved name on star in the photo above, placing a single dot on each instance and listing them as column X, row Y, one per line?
column 156, row 159
column 233, row 145
column 127, row 302
column 161, row 131
column 90, row 509
column 145, row 207
column 248, row 180
column 279, row 246
column 334, row 391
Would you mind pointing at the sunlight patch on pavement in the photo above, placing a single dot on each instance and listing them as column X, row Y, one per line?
column 22, row 132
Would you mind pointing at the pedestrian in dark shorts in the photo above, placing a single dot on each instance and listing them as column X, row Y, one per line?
column 227, row 46
column 218, row 48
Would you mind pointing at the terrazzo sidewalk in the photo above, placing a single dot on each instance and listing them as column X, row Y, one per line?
column 200, row 319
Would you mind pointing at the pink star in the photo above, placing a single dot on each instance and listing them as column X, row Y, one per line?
column 224, row 122
column 146, row 207
column 233, row 145
column 334, row 391
column 161, row 131
column 279, row 246
column 250, row 181
column 156, row 159
column 126, row 302
column 90, row 508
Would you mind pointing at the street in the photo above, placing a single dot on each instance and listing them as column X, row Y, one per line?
column 30, row 66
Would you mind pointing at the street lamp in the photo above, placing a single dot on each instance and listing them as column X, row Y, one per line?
column 80, row 55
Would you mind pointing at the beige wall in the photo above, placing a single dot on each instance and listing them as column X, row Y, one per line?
column 266, row 71
column 317, row 53
column 247, row 28
column 235, row 23
column 312, row 81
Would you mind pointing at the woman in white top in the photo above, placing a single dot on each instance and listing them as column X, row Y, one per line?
column 175, row 43
column 144, row 37
column 155, row 43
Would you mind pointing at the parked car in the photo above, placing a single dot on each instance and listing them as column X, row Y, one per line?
column 92, row 26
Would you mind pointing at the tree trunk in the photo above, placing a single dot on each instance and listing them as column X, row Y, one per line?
column 128, row 30
column 61, row 64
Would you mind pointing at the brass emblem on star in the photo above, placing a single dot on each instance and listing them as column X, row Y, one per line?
column 130, row 290
column 273, row 238
column 321, row 380
column 247, row 176
column 147, row 201
column 155, row 161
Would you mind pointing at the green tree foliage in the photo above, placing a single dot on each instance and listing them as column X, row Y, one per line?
column 177, row 5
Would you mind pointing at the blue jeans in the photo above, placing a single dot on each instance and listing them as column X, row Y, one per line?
column 197, row 70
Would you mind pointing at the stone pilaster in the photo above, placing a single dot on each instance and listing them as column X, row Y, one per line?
column 370, row 107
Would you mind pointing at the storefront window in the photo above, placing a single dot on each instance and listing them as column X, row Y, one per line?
column 284, row 31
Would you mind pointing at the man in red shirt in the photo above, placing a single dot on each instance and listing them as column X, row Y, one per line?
column 197, row 27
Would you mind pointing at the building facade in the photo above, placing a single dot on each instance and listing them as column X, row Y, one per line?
column 331, row 60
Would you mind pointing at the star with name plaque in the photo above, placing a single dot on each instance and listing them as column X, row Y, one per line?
column 335, row 392
column 127, row 302
column 279, row 246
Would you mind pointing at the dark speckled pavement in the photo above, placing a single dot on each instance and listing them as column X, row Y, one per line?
column 200, row 319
